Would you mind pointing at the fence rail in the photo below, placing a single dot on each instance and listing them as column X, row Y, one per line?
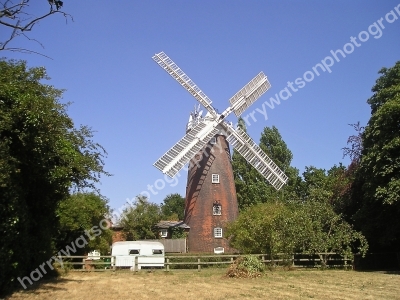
column 297, row 260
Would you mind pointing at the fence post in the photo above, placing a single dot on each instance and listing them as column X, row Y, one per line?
column 198, row 266
column 136, row 263
column 83, row 263
column 345, row 262
column 167, row 264
column 293, row 260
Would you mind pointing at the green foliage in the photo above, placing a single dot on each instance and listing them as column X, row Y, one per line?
column 173, row 208
column 80, row 213
column 310, row 227
column 103, row 263
column 139, row 218
column 330, row 186
column 247, row 266
column 377, row 185
column 251, row 263
column 248, row 182
column 324, row 231
column 177, row 233
column 42, row 156
column 266, row 228
column 190, row 260
column 386, row 88
column 251, row 187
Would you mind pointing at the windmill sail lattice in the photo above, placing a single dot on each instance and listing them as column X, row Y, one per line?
column 249, row 93
column 181, row 153
column 172, row 69
column 198, row 136
column 256, row 157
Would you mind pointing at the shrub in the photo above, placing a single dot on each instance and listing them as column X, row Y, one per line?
column 248, row 266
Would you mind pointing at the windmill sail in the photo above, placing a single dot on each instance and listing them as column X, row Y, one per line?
column 256, row 157
column 249, row 93
column 181, row 153
column 184, row 150
column 172, row 69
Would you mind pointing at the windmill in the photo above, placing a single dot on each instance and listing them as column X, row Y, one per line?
column 210, row 192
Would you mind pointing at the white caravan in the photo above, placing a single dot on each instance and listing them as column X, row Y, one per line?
column 150, row 254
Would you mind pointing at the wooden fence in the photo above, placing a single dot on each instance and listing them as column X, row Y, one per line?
column 298, row 260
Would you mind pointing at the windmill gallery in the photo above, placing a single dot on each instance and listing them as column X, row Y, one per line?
column 210, row 192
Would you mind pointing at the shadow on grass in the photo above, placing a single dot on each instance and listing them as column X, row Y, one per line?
column 389, row 272
column 45, row 285
column 397, row 272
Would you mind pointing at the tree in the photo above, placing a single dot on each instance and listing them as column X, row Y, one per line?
column 173, row 207
column 42, row 157
column 376, row 188
column 139, row 219
column 310, row 227
column 325, row 232
column 77, row 215
column 251, row 186
column 248, row 182
column 16, row 17
column 266, row 228
column 330, row 186
column 355, row 141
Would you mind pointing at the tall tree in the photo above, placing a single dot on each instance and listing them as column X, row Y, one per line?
column 139, row 219
column 42, row 157
column 355, row 143
column 77, row 215
column 377, row 184
column 333, row 184
column 346, row 204
column 173, row 207
column 248, row 182
column 251, row 187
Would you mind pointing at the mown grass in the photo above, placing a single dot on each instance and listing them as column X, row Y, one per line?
column 212, row 284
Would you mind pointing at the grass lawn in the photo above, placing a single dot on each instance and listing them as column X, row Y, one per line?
column 211, row 284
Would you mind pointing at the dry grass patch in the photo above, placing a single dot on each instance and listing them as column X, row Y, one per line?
column 212, row 284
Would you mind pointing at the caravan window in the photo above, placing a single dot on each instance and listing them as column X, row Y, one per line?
column 134, row 251
column 157, row 251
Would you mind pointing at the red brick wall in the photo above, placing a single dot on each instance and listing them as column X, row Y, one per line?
column 118, row 235
column 201, row 194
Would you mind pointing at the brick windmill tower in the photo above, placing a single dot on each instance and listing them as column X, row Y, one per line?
column 211, row 199
column 210, row 193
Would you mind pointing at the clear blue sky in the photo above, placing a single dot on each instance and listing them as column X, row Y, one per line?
column 103, row 60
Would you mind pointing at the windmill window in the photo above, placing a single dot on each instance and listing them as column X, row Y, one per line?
column 164, row 233
column 213, row 140
column 218, row 232
column 217, row 209
column 219, row 250
column 215, row 178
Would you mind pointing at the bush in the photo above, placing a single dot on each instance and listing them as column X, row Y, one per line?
column 248, row 266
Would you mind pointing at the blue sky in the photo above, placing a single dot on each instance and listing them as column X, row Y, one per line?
column 103, row 60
